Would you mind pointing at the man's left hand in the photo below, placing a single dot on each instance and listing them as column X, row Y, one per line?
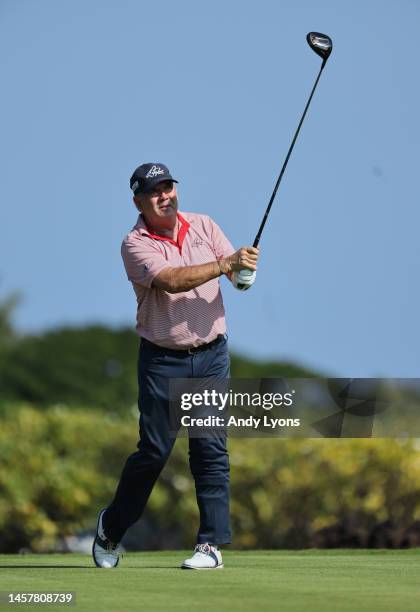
column 243, row 279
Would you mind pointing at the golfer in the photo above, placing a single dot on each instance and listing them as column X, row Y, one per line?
column 174, row 262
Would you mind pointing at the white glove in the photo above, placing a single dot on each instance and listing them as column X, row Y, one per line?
column 243, row 279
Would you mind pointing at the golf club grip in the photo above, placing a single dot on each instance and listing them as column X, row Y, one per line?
column 243, row 279
column 273, row 195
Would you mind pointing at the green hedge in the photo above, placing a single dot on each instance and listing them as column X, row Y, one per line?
column 58, row 466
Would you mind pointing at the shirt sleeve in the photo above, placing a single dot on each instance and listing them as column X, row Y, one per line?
column 221, row 245
column 143, row 260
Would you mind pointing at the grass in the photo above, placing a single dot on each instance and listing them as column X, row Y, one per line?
column 312, row 581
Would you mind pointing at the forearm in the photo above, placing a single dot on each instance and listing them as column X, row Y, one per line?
column 177, row 280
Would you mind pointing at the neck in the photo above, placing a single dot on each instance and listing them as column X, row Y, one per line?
column 164, row 227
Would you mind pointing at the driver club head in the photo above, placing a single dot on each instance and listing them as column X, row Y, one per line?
column 320, row 43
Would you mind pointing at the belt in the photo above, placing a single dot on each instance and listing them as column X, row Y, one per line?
column 187, row 351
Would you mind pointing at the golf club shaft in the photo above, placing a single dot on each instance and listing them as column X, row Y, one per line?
column 273, row 195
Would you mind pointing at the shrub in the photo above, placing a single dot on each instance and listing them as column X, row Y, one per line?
column 59, row 466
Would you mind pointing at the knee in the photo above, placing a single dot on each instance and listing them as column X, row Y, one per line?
column 158, row 459
column 150, row 456
column 214, row 463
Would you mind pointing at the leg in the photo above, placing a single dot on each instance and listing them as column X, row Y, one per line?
column 209, row 464
column 143, row 467
column 209, row 461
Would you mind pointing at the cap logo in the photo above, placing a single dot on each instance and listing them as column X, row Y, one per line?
column 155, row 171
column 135, row 186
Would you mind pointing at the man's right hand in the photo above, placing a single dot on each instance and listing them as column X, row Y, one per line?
column 245, row 257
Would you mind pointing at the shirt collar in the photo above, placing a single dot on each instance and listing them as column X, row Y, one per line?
column 182, row 232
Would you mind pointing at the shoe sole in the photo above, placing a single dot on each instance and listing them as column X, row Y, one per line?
column 93, row 545
column 190, row 567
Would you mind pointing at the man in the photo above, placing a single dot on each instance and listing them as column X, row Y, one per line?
column 174, row 262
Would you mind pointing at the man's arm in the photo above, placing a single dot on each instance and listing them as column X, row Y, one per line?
column 177, row 280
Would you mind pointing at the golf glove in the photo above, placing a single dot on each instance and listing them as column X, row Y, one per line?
column 243, row 279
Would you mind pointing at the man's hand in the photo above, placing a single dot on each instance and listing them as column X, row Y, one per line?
column 244, row 258
column 244, row 279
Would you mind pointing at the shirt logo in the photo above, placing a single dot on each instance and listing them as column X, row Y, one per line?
column 155, row 171
column 197, row 242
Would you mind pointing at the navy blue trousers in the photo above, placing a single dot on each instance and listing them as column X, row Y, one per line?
column 209, row 461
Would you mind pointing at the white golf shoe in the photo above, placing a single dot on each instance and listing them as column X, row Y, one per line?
column 205, row 557
column 105, row 553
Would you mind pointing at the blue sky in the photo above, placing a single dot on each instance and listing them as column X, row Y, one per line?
column 215, row 91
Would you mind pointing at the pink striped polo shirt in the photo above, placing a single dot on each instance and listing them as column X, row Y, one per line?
column 176, row 320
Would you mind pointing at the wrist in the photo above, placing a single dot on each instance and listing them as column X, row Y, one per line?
column 221, row 267
column 224, row 266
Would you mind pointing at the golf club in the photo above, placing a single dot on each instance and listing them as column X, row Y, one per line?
column 322, row 45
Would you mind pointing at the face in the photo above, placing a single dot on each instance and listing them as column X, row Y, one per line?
column 160, row 205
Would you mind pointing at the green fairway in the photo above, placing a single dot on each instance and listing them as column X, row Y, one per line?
column 263, row 580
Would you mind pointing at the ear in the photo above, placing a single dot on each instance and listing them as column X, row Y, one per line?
column 137, row 203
